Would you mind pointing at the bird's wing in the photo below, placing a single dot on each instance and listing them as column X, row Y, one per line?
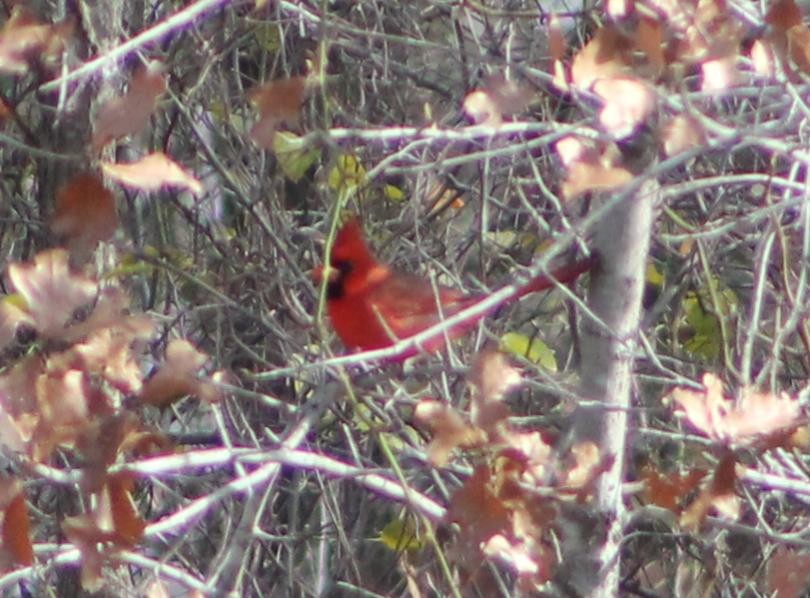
column 408, row 304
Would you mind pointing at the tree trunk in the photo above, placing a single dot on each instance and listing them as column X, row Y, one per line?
column 622, row 240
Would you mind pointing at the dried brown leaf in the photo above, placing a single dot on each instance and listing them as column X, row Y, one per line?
column 584, row 177
column 650, row 41
column 606, row 56
column 556, row 39
column 519, row 555
column 799, row 47
column 278, row 102
column 67, row 405
column 11, row 435
column 573, row 149
column 19, row 413
column 450, row 430
column 586, row 465
column 783, row 14
column 113, row 524
column 719, row 74
column 497, row 98
column 108, row 354
column 788, row 573
column 706, row 30
column 757, row 417
column 83, row 532
column 99, row 444
column 536, row 456
column 25, row 40
column 126, row 521
column 477, row 509
column 18, row 386
column 628, row 103
column 152, row 173
column 590, row 168
column 12, row 316
column 52, row 293
column 491, row 375
column 84, row 213
column 15, row 533
column 178, row 375
column 669, row 491
column 129, row 114
column 719, row 495
column 763, row 59
column 111, row 312
column 682, row 133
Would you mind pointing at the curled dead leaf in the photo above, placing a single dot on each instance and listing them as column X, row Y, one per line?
column 113, row 524
column 498, row 97
column 605, row 56
column 535, row 455
column 52, row 293
column 152, row 172
column 450, row 430
column 177, row 377
column 25, row 40
column 719, row 495
column 66, row 405
column 584, row 177
column 758, row 417
column 491, row 375
column 590, row 167
column 586, row 465
column 628, row 102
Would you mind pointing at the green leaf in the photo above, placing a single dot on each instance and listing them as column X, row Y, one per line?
column 363, row 419
column 393, row 193
column 293, row 157
column 706, row 338
column 702, row 317
column 395, row 443
column 401, row 534
column 533, row 349
column 653, row 275
column 16, row 300
column 219, row 110
column 347, row 174
column 268, row 37
column 511, row 239
column 129, row 268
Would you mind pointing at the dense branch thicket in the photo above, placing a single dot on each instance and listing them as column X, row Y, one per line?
column 176, row 414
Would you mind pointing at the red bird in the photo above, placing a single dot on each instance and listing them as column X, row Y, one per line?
column 372, row 306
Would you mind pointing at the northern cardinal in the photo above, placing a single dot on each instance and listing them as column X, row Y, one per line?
column 372, row 306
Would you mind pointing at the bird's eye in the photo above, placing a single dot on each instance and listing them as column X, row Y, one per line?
column 342, row 266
